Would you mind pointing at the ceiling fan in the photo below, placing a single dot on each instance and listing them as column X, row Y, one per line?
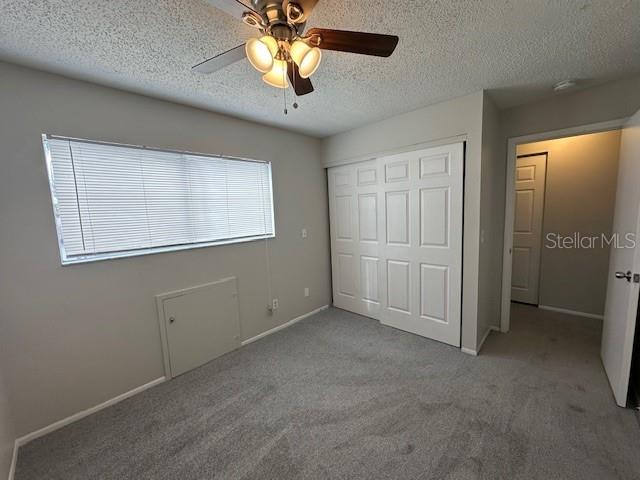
column 284, row 53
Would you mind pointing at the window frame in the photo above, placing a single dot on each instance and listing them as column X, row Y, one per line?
column 95, row 257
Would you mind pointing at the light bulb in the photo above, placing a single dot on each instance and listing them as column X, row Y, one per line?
column 277, row 77
column 307, row 58
column 260, row 52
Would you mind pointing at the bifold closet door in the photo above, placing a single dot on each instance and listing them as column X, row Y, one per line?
column 355, row 217
column 396, row 231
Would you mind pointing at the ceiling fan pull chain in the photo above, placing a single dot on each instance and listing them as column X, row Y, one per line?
column 295, row 97
column 284, row 92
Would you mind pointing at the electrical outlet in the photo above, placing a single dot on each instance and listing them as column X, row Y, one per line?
column 304, row 233
column 274, row 304
column 306, row 291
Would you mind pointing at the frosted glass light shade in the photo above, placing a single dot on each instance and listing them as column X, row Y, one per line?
column 277, row 77
column 307, row 58
column 260, row 52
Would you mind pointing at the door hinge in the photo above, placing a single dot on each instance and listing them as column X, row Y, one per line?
column 636, row 278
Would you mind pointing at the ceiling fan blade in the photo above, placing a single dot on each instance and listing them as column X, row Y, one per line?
column 220, row 61
column 235, row 8
column 306, row 5
column 302, row 86
column 354, row 42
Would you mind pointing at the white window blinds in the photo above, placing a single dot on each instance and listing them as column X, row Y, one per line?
column 112, row 200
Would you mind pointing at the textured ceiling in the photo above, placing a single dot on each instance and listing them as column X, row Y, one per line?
column 515, row 48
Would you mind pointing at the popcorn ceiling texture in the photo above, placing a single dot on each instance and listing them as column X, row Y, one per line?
column 515, row 48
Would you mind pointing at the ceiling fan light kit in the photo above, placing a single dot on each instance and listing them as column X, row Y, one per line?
column 277, row 76
column 286, row 54
column 270, row 56
column 261, row 52
column 307, row 58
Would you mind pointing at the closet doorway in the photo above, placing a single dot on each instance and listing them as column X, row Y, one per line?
column 396, row 240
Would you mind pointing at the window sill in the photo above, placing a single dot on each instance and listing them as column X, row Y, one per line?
column 74, row 260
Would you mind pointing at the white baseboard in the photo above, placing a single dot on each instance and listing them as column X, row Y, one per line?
column 84, row 413
column 475, row 353
column 571, row 312
column 283, row 326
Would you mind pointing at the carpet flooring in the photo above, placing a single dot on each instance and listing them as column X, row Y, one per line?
column 338, row 396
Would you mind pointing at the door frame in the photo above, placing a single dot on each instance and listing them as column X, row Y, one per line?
column 510, row 186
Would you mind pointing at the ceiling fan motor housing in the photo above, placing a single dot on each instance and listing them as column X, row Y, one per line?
column 278, row 23
column 282, row 32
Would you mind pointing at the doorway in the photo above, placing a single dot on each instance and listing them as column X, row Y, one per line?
column 565, row 193
column 622, row 278
column 634, row 376
column 553, row 195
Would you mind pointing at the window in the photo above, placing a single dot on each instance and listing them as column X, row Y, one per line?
column 116, row 201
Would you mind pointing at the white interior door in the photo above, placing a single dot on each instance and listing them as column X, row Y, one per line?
column 527, row 227
column 622, row 293
column 396, row 231
column 201, row 324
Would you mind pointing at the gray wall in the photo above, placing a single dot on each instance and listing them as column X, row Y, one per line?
column 75, row 336
column 440, row 122
column 580, row 197
column 7, row 435
column 597, row 104
column 491, row 219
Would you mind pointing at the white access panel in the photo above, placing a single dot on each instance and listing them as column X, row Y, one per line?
column 396, row 238
column 199, row 324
